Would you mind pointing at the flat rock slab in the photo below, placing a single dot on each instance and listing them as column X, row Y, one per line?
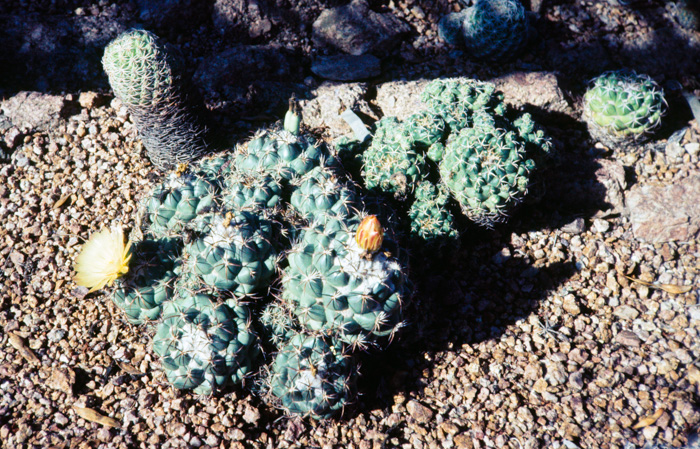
column 347, row 67
column 356, row 29
column 31, row 111
column 665, row 213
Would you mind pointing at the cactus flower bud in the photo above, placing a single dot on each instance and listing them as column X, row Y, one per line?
column 370, row 234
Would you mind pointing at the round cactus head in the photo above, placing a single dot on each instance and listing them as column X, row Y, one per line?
column 312, row 376
column 139, row 68
column 623, row 106
column 204, row 343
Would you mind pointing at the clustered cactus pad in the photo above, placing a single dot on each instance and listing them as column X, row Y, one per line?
column 467, row 145
column 489, row 29
column 212, row 238
column 147, row 78
column 623, row 106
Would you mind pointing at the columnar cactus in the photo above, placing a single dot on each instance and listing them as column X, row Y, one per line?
column 623, row 106
column 313, row 376
column 146, row 77
column 339, row 287
column 205, row 343
column 489, row 29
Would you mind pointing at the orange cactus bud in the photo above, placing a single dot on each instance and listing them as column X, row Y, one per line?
column 370, row 234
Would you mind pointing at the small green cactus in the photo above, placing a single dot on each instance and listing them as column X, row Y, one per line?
column 392, row 163
column 313, row 376
column 487, row 171
column 623, row 106
column 490, row 29
column 279, row 323
column 175, row 202
column 320, row 195
column 432, row 223
column 150, row 280
column 146, row 77
column 205, row 342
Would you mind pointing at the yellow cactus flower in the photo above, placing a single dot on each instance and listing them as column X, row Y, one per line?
column 103, row 259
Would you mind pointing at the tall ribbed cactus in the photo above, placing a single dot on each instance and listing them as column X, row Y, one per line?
column 623, row 106
column 147, row 78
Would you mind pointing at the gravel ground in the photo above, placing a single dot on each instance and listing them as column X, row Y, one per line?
column 562, row 329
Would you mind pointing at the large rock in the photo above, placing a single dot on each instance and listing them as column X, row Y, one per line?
column 400, row 98
column 347, row 67
column 663, row 213
column 55, row 53
column 356, row 29
column 540, row 89
column 30, row 111
column 241, row 65
column 249, row 16
column 331, row 99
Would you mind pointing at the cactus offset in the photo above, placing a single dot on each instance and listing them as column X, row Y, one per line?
column 622, row 107
column 312, row 376
column 205, row 344
column 432, row 223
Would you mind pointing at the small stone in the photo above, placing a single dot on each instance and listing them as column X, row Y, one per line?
column 463, row 441
column 60, row 419
column 56, row 335
column 692, row 148
column 650, row 432
column 571, row 305
column 90, row 100
column 626, row 312
column 601, row 226
column 251, row 415
column 419, row 412
column 62, row 379
column 628, row 338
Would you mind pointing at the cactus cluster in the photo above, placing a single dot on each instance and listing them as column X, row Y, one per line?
column 623, row 106
column 147, row 77
column 262, row 247
column 489, row 29
column 464, row 147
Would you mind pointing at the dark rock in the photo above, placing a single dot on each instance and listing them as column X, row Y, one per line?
column 168, row 16
column 241, row 65
column 356, row 29
column 347, row 67
column 250, row 16
column 575, row 227
column 611, row 176
column 55, row 53
column 666, row 213
column 34, row 111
